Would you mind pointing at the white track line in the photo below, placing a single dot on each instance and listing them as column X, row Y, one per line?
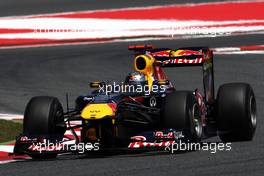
column 7, row 161
column 6, row 148
column 65, row 28
column 11, row 116
column 239, row 52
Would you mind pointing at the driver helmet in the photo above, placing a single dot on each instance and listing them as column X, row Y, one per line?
column 136, row 78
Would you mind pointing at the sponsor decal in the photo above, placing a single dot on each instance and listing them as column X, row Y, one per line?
column 168, row 135
column 183, row 61
column 152, row 101
column 134, row 145
column 138, row 138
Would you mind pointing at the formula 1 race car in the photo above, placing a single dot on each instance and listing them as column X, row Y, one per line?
column 146, row 112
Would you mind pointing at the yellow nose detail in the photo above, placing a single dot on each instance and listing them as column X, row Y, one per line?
column 96, row 111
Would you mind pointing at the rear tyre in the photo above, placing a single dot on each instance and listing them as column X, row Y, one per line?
column 44, row 118
column 181, row 112
column 237, row 112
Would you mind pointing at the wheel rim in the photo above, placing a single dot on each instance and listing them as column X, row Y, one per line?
column 197, row 121
column 253, row 111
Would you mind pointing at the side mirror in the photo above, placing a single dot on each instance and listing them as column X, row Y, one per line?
column 96, row 84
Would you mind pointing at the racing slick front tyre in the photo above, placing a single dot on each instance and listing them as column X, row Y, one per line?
column 181, row 112
column 237, row 112
column 44, row 118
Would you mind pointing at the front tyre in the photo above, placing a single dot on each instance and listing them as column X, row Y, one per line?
column 44, row 118
column 237, row 112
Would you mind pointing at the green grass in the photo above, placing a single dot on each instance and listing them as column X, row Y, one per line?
column 9, row 130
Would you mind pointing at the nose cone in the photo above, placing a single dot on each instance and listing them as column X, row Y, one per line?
column 98, row 111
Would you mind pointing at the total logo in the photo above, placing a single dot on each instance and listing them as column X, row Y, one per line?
column 183, row 61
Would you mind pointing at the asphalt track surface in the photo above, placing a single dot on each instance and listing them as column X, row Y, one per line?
column 56, row 70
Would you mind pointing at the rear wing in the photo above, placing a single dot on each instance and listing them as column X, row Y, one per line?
column 192, row 56
column 166, row 57
column 206, row 61
column 184, row 57
column 180, row 61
